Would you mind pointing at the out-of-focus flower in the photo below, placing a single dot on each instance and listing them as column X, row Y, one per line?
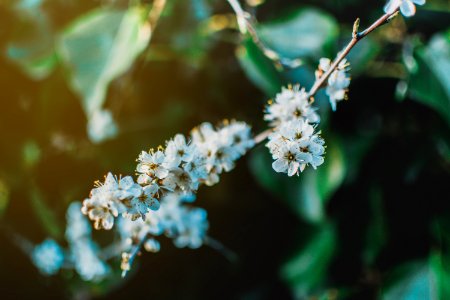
column 407, row 7
column 101, row 126
column 48, row 257
column 338, row 82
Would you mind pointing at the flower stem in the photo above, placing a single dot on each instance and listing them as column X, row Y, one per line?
column 356, row 37
column 320, row 82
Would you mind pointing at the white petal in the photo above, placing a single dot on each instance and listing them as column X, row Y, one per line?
column 419, row 2
column 407, row 8
column 280, row 165
column 391, row 6
column 293, row 168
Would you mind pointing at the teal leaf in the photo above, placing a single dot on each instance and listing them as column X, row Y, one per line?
column 44, row 213
column 32, row 47
column 258, row 68
column 429, row 81
column 307, row 268
column 308, row 193
column 303, row 33
column 99, row 47
column 420, row 280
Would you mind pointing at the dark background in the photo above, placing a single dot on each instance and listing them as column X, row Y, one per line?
column 383, row 193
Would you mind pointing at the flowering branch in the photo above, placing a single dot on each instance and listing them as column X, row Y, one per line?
column 356, row 37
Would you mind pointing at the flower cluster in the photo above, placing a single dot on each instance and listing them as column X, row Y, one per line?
column 180, row 167
column 293, row 143
column 338, row 81
column 407, row 7
column 290, row 104
column 185, row 224
column 83, row 254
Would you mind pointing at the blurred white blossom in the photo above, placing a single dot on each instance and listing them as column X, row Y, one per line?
column 48, row 257
column 407, row 7
column 101, row 126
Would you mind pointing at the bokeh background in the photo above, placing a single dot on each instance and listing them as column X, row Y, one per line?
column 373, row 221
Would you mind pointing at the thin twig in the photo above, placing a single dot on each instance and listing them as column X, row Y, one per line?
column 245, row 24
column 135, row 251
column 320, row 82
column 218, row 246
column 356, row 37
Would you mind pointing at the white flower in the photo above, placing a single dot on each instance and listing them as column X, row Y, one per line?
column 101, row 126
column 48, row 257
column 144, row 201
column 101, row 211
column 291, row 104
column 152, row 245
column 177, row 150
column 87, row 263
column 151, row 164
column 113, row 197
column 77, row 224
column 287, row 159
column 195, row 223
column 407, row 7
column 293, row 146
column 338, row 82
column 239, row 136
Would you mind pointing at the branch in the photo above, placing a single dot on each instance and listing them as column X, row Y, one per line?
column 155, row 13
column 246, row 26
column 356, row 37
column 320, row 82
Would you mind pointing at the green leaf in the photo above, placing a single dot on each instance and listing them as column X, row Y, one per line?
column 32, row 47
column 376, row 235
column 258, row 68
column 306, row 269
column 420, row 280
column 4, row 196
column 44, row 213
column 101, row 46
column 362, row 54
column 317, row 186
column 430, row 78
column 303, row 33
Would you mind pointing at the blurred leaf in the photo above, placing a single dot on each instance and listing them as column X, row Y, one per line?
column 45, row 213
column 430, row 81
column 4, row 196
column 101, row 46
column 31, row 154
column 308, row 193
column 33, row 46
column 424, row 280
column 259, row 69
column 305, row 32
column 307, row 268
column 362, row 54
column 376, row 235
column 317, row 186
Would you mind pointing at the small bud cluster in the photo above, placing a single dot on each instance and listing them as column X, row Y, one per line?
column 338, row 82
column 181, row 167
column 294, row 143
